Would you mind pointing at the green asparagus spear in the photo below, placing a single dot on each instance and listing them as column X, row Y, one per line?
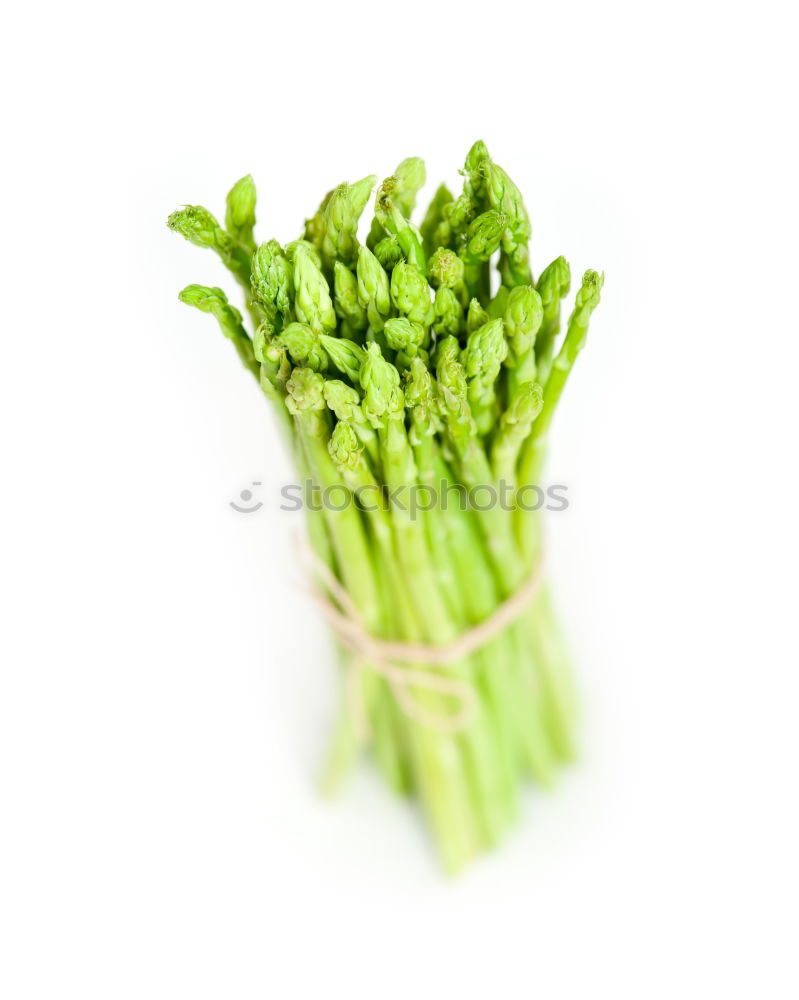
column 345, row 355
column 410, row 293
column 240, row 213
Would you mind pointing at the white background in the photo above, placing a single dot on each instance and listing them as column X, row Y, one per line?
column 165, row 690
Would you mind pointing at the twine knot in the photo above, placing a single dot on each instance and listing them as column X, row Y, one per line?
column 397, row 661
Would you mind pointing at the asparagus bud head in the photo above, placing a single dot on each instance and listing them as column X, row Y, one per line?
column 342, row 399
column 420, row 398
column 409, row 179
column 554, row 282
column 485, row 351
column 344, row 446
column 475, row 159
column 200, row 227
column 475, row 317
column 410, row 293
column 445, row 268
column 315, row 226
column 380, row 381
column 434, row 218
column 373, row 288
column 262, row 342
column 240, row 212
column 402, row 334
column 305, row 392
column 485, row 234
column 406, row 338
column 304, row 346
column 312, row 301
column 388, row 252
column 523, row 315
column 345, row 294
column 304, row 246
column 272, row 278
column 419, row 385
column 447, row 313
column 346, row 355
column 210, row 300
column 586, row 301
column 523, row 408
column 505, row 197
column 341, row 216
column 461, row 212
column 449, row 371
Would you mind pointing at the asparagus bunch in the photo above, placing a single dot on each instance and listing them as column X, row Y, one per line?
column 418, row 380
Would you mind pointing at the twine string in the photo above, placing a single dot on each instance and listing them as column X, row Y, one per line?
column 390, row 658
